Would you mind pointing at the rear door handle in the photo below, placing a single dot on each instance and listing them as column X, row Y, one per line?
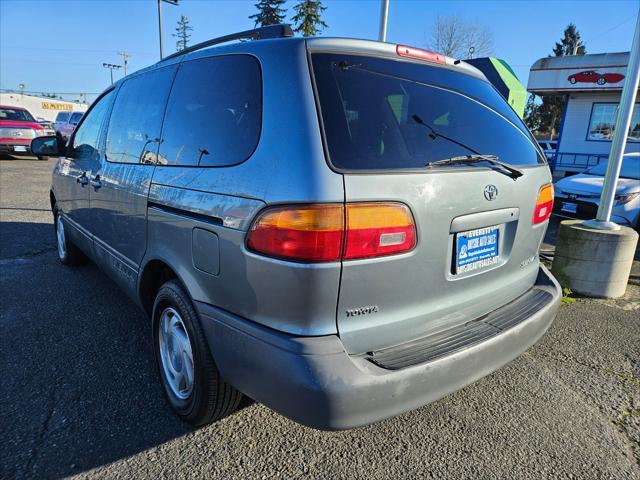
column 82, row 179
column 96, row 182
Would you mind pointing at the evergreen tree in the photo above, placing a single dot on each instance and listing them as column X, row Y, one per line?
column 532, row 113
column 182, row 33
column 307, row 19
column 270, row 12
column 571, row 43
column 550, row 111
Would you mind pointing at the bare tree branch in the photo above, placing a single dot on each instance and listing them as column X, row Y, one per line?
column 455, row 37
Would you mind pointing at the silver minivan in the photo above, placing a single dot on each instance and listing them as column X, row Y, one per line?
column 341, row 229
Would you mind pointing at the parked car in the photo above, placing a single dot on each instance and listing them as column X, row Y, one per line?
column 549, row 148
column 47, row 126
column 324, row 225
column 66, row 122
column 17, row 129
column 578, row 196
column 591, row 76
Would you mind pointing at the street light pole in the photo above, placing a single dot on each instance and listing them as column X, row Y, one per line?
column 384, row 15
column 111, row 68
column 625, row 112
column 160, row 25
column 172, row 2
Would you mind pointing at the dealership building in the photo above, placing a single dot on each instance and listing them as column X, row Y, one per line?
column 41, row 107
column 591, row 86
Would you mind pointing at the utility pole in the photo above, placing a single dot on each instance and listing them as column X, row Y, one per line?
column 384, row 15
column 172, row 2
column 111, row 68
column 125, row 61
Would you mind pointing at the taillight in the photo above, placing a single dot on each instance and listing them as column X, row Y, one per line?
column 544, row 204
column 311, row 233
column 377, row 229
column 412, row 52
column 318, row 233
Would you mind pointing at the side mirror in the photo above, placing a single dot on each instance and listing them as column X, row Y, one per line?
column 47, row 146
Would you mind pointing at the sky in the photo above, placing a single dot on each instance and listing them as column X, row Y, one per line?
column 60, row 46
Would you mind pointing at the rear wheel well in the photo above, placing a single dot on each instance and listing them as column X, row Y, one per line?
column 156, row 273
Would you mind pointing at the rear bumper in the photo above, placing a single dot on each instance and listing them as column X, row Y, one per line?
column 313, row 381
column 9, row 148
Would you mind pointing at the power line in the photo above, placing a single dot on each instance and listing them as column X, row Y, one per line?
column 598, row 35
column 38, row 92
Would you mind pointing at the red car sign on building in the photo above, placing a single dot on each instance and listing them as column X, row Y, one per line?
column 591, row 76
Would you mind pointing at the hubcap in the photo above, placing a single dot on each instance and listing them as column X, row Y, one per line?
column 175, row 354
column 62, row 249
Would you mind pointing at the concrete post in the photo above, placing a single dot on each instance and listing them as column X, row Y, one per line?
column 595, row 263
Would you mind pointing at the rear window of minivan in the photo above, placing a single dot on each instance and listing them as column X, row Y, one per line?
column 382, row 114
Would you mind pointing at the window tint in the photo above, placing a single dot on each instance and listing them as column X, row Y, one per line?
column 75, row 118
column 15, row 114
column 386, row 114
column 134, row 126
column 62, row 116
column 85, row 140
column 213, row 114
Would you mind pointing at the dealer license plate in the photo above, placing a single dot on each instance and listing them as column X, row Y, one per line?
column 476, row 249
column 569, row 207
column 19, row 148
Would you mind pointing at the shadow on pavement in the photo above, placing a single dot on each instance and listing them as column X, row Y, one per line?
column 79, row 387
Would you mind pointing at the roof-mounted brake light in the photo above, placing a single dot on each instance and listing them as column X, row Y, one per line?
column 412, row 52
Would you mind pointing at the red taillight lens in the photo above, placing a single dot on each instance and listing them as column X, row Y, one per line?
column 316, row 233
column 544, row 204
column 377, row 229
column 412, row 52
column 311, row 233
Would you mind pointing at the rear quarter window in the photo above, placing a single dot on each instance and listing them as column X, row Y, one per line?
column 136, row 118
column 382, row 114
column 214, row 112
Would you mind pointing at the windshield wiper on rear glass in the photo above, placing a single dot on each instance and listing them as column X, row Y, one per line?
column 475, row 158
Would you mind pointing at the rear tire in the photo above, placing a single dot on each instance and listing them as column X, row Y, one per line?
column 191, row 381
column 68, row 253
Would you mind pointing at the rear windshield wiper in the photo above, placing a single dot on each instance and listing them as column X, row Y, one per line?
column 477, row 158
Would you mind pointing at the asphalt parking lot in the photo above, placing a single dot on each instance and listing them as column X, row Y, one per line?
column 80, row 395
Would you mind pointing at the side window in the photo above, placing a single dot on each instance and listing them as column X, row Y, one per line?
column 75, row 118
column 134, row 126
column 62, row 116
column 85, row 140
column 214, row 112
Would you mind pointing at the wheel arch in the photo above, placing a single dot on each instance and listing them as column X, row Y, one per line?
column 155, row 273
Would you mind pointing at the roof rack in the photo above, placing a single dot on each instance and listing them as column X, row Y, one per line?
column 270, row 31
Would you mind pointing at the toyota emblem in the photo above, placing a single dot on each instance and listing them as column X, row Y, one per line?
column 490, row 192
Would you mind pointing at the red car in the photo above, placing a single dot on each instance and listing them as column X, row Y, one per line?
column 17, row 129
column 591, row 76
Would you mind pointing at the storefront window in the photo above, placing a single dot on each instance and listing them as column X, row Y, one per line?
column 603, row 119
